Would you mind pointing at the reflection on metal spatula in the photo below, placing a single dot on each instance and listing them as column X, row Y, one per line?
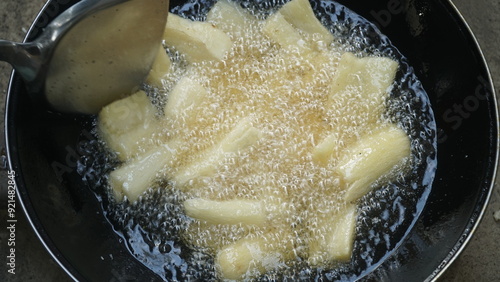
column 92, row 54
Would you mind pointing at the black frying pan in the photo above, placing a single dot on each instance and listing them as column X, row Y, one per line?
column 43, row 148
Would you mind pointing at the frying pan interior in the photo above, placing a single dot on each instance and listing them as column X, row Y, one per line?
column 44, row 148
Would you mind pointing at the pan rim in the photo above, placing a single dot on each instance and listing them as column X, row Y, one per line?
column 29, row 213
column 475, row 220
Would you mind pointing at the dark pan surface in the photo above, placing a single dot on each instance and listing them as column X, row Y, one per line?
column 44, row 147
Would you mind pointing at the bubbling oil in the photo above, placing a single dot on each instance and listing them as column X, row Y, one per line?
column 286, row 100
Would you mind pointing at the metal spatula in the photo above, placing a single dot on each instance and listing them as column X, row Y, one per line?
column 92, row 54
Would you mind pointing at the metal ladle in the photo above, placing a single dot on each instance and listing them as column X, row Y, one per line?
column 95, row 52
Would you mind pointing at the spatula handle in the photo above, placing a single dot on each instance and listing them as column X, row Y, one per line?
column 24, row 57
